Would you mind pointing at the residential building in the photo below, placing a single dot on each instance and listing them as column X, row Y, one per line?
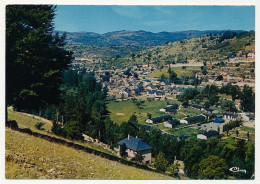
column 159, row 119
column 207, row 135
column 136, row 146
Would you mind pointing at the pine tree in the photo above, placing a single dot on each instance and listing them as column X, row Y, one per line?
column 35, row 57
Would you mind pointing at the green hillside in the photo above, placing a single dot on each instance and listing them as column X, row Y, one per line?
column 205, row 48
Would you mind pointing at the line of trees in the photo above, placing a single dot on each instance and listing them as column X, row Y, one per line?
column 210, row 97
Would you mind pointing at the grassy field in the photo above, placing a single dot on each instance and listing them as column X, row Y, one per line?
column 29, row 121
column 31, row 157
column 121, row 111
column 188, row 71
column 183, row 112
column 230, row 140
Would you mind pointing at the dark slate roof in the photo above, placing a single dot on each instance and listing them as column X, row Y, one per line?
column 140, row 86
column 147, row 127
column 160, row 93
column 211, row 133
column 135, row 144
column 218, row 120
column 207, row 109
column 196, row 106
column 173, row 106
column 183, row 137
column 170, row 110
column 166, row 82
column 161, row 118
column 174, row 122
column 152, row 91
column 152, row 86
column 231, row 114
column 146, row 80
column 195, row 118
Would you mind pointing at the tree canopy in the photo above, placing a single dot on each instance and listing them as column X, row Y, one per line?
column 35, row 57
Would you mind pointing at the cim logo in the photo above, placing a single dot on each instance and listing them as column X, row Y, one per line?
column 237, row 169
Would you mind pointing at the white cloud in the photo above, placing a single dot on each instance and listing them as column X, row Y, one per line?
column 129, row 11
column 164, row 10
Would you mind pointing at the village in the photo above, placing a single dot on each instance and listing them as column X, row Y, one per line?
column 136, row 83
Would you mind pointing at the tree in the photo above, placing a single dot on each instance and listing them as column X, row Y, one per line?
column 174, row 168
column 237, row 132
column 35, row 57
column 39, row 125
column 247, row 99
column 130, row 127
column 123, row 152
column 228, row 105
column 149, row 115
column 72, row 131
column 204, row 71
column 189, row 94
column 206, row 104
column 213, row 167
column 160, row 162
column 162, row 77
column 139, row 158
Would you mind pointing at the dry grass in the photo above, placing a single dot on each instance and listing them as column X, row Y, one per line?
column 32, row 157
column 29, row 121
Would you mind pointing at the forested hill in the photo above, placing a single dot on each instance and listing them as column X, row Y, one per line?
column 134, row 38
column 211, row 47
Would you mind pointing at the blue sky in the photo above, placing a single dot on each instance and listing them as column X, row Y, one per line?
column 102, row 19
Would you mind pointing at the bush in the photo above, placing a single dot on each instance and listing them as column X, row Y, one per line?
column 72, row 131
column 161, row 163
column 39, row 125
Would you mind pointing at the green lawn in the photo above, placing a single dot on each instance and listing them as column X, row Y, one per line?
column 178, row 70
column 185, row 131
column 186, row 111
column 121, row 111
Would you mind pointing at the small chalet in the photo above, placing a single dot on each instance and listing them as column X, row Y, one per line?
column 126, row 92
column 230, row 116
column 170, row 109
column 159, row 119
column 197, row 107
column 208, row 110
column 207, row 135
column 155, row 94
column 183, row 137
column 136, row 146
column 193, row 119
column 146, row 127
column 171, row 123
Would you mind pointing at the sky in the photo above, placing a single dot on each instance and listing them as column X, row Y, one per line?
column 103, row 19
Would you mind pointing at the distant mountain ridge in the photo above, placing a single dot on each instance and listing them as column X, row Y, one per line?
column 135, row 38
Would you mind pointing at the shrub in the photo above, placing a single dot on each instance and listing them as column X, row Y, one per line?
column 72, row 130
column 39, row 125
